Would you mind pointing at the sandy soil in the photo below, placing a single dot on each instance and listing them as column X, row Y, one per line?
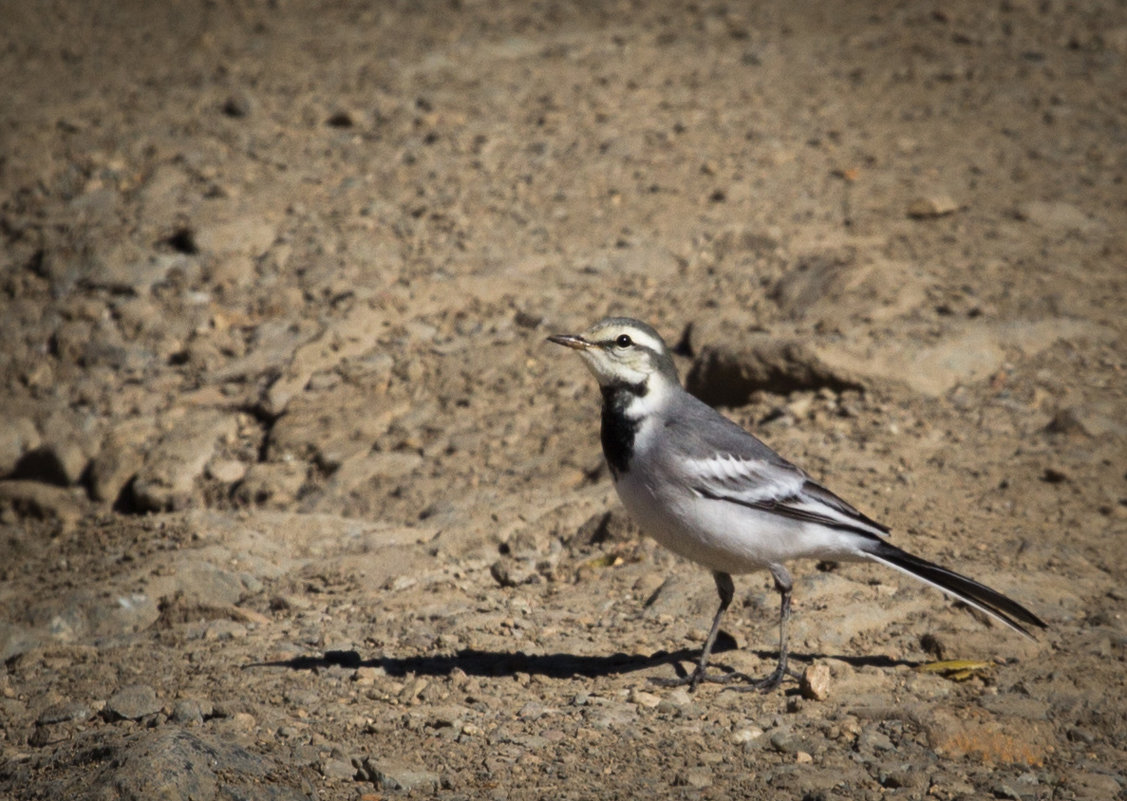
column 295, row 501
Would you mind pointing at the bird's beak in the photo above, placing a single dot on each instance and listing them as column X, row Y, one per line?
column 573, row 341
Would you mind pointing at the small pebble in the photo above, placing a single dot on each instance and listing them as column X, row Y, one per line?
column 132, row 703
column 785, row 742
column 695, row 777
column 188, row 710
column 644, row 699
column 815, row 683
column 338, row 769
column 931, row 206
column 746, row 735
column 64, row 712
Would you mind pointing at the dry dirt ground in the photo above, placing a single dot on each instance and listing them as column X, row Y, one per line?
column 296, row 502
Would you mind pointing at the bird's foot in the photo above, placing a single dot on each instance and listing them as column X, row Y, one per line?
column 701, row 676
column 770, row 681
column 740, row 681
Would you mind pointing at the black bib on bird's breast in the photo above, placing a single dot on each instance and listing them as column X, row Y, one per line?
column 618, row 430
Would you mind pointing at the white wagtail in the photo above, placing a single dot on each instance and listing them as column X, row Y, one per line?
column 708, row 490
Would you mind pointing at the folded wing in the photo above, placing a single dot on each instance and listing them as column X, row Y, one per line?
column 777, row 487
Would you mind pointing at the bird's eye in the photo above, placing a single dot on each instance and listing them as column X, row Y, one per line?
column 623, row 341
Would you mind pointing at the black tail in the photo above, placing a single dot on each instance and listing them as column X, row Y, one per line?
column 966, row 590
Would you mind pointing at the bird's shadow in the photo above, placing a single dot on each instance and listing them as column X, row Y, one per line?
column 475, row 662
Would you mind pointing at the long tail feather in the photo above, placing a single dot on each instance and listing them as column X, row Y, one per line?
column 967, row 590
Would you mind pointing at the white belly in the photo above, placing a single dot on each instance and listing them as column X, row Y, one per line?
column 724, row 536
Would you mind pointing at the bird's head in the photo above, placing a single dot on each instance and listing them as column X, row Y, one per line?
column 620, row 351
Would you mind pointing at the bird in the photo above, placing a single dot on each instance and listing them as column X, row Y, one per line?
column 709, row 491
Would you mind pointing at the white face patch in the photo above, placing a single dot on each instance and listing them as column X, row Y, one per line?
column 608, row 370
column 657, row 396
column 624, row 354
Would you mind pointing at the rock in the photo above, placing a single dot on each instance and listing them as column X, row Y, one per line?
column 746, row 734
column 345, row 344
column 648, row 586
column 227, row 471
column 63, row 712
column 44, row 501
column 610, row 716
column 872, row 739
column 904, row 780
column 198, row 590
column 509, row 572
column 238, row 105
column 338, row 769
column 63, row 264
column 132, row 703
column 98, row 352
column 171, row 764
column 988, row 738
column 1016, row 705
column 233, row 270
column 162, row 196
column 1086, row 420
column 1057, row 215
column 120, row 613
column 167, row 478
column 249, row 234
column 17, row 437
column 698, row 778
column 532, row 710
column 190, row 710
column 612, row 526
column 331, row 427
column 683, row 594
column 815, row 682
column 269, row 351
column 272, row 484
column 141, row 318
column 130, row 270
column 66, row 617
column 61, row 462
column 644, row 699
column 389, row 775
column 447, row 717
column 235, row 724
column 932, row 206
column 113, row 468
column 785, row 741
column 723, row 376
column 111, row 265
column 971, row 352
column 810, row 278
column 363, row 467
column 1090, row 784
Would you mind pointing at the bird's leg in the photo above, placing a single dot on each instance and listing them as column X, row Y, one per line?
column 784, row 585
column 727, row 591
